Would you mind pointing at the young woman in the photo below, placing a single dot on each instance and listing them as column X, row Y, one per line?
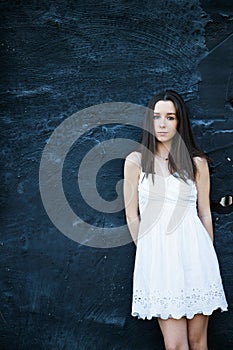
column 166, row 191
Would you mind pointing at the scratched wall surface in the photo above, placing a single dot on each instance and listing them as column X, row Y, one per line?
column 59, row 57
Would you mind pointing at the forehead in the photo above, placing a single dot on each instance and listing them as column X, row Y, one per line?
column 164, row 107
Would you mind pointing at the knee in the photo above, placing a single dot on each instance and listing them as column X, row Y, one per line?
column 197, row 333
column 197, row 344
column 171, row 347
column 175, row 346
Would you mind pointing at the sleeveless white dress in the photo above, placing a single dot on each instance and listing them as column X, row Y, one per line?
column 176, row 269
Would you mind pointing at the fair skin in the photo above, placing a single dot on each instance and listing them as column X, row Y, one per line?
column 182, row 334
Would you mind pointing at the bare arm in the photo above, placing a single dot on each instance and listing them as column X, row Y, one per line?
column 130, row 190
column 203, row 193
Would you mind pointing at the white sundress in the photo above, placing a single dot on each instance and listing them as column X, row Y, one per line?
column 176, row 270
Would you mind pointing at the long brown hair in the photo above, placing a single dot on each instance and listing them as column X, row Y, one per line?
column 183, row 146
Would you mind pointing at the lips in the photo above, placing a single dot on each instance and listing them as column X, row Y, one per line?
column 162, row 133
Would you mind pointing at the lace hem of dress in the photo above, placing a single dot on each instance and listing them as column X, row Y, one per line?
column 188, row 315
column 198, row 301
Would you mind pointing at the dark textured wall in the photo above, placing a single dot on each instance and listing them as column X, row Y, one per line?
column 59, row 57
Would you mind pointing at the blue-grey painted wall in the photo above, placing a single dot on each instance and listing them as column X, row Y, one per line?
column 57, row 58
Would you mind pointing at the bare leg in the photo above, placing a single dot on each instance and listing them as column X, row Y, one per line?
column 197, row 332
column 175, row 333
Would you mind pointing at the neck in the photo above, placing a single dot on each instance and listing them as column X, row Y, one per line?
column 162, row 150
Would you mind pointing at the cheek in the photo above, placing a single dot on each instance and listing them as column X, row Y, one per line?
column 175, row 124
column 172, row 126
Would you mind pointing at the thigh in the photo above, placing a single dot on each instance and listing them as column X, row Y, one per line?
column 174, row 332
column 197, row 327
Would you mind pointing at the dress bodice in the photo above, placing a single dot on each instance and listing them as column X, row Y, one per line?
column 169, row 192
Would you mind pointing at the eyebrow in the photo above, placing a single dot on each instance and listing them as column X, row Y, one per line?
column 167, row 113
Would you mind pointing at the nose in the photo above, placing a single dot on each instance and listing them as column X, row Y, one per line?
column 162, row 123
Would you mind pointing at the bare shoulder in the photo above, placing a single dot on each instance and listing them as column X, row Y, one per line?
column 132, row 167
column 200, row 161
column 202, row 165
column 134, row 159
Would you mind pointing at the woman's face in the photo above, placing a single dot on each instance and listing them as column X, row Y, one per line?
column 165, row 121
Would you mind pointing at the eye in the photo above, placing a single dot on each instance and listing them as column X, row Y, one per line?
column 156, row 117
column 171, row 118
